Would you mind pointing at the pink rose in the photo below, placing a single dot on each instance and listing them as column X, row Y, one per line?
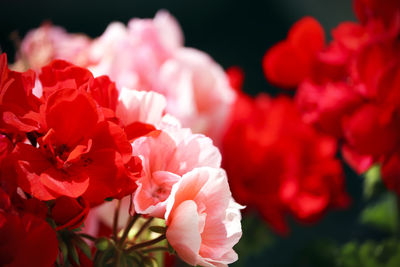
column 203, row 221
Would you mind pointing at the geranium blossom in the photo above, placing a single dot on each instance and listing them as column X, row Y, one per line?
column 49, row 42
column 278, row 164
column 76, row 142
column 26, row 238
column 148, row 55
column 351, row 93
column 167, row 155
column 202, row 218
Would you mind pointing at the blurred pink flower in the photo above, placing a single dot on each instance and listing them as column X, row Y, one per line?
column 42, row 45
column 145, row 55
column 197, row 91
column 132, row 55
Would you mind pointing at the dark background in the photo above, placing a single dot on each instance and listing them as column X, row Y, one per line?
column 233, row 33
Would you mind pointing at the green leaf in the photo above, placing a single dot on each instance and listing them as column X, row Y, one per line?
column 73, row 253
column 372, row 181
column 64, row 251
column 171, row 250
column 104, row 257
column 78, row 229
column 82, row 245
column 382, row 214
column 321, row 252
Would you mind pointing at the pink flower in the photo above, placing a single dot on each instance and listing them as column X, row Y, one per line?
column 146, row 55
column 166, row 156
column 133, row 55
column 203, row 221
column 197, row 91
column 145, row 107
column 42, row 45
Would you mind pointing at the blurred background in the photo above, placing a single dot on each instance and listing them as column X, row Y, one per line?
column 233, row 32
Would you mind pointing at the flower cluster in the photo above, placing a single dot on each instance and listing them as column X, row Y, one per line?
column 71, row 141
column 278, row 164
column 349, row 87
column 145, row 55
column 130, row 123
column 254, row 135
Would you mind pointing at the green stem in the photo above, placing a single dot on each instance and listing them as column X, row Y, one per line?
column 153, row 249
column 92, row 238
column 398, row 216
column 144, row 226
column 146, row 244
column 115, row 222
column 128, row 227
column 117, row 258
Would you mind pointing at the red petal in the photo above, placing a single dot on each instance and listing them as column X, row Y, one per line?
column 73, row 116
column 138, row 129
column 359, row 163
column 40, row 247
column 110, row 135
column 284, row 67
column 30, row 164
column 69, row 212
column 104, row 92
column 289, row 62
column 236, row 77
column 369, row 131
column 391, row 173
column 60, row 74
column 105, row 170
column 308, row 35
column 27, row 241
column 38, row 177
column 65, row 184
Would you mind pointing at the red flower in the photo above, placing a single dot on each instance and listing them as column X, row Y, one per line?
column 60, row 74
column 26, row 241
column 387, row 11
column 5, row 147
column 80, row 153
column 26, row 238
column 288, row 62
column 349, row 89
column 326, row 105
column 69, row 212
column 280, row 165
column 373, row 130
column 16, row 99
column 236, row 77
column 391, row 173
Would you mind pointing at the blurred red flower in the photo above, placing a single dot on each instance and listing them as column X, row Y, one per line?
column 280, row 165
